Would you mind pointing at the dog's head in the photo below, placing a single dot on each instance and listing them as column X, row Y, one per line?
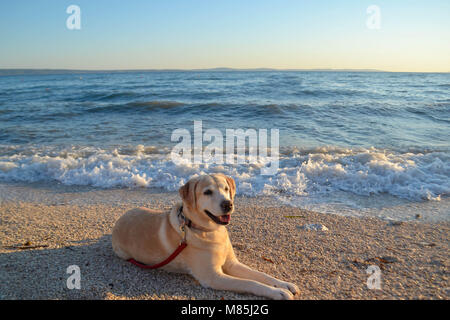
column 209, row 199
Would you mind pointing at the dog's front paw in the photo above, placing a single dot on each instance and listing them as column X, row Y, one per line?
column 281, row 294
column 288, row 286
column 292, row 288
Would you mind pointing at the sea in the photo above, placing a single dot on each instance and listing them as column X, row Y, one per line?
column 350, row 143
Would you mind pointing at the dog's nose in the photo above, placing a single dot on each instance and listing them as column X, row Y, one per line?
column 226, row 205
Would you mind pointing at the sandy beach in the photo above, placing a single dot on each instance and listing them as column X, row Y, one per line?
column 41, row 237
column 332, row 119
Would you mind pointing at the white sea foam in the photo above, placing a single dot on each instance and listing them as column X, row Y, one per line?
column 318, row 171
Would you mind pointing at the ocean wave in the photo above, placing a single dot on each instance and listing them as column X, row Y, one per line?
column 316, row 92
column 101, row 96
column 135, row 106
column 5, row 111
column 324, row 170
column 155, row 104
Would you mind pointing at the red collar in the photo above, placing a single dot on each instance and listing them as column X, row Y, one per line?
column 163, row 263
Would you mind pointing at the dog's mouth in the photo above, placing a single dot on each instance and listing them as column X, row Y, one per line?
column 223, row 219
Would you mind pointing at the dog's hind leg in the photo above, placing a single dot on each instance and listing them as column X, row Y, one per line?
column 119, row 252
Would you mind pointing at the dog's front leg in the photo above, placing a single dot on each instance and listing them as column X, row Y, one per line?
column 216, row 279
column 240, row 270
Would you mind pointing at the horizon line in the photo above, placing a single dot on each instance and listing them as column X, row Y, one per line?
column 218, row 69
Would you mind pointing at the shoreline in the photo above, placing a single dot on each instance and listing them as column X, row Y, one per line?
column 413, row 257
column 380, row 206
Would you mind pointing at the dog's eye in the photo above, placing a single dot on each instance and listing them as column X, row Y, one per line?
column 226, row 188
column 207, row 193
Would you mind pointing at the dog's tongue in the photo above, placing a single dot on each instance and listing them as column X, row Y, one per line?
column 225, row 218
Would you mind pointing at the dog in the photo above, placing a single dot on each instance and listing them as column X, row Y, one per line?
column 150, row 236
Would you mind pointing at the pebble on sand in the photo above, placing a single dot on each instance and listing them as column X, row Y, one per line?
column 313, row 227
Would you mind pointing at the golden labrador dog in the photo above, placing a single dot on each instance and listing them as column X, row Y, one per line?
column 150, row 236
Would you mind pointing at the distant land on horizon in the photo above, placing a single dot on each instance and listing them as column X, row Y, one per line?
column 24, row 71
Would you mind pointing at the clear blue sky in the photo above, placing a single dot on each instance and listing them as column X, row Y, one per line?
column 154, row 34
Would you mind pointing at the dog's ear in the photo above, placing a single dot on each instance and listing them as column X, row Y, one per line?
column 187, row 193
column 231, row 185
